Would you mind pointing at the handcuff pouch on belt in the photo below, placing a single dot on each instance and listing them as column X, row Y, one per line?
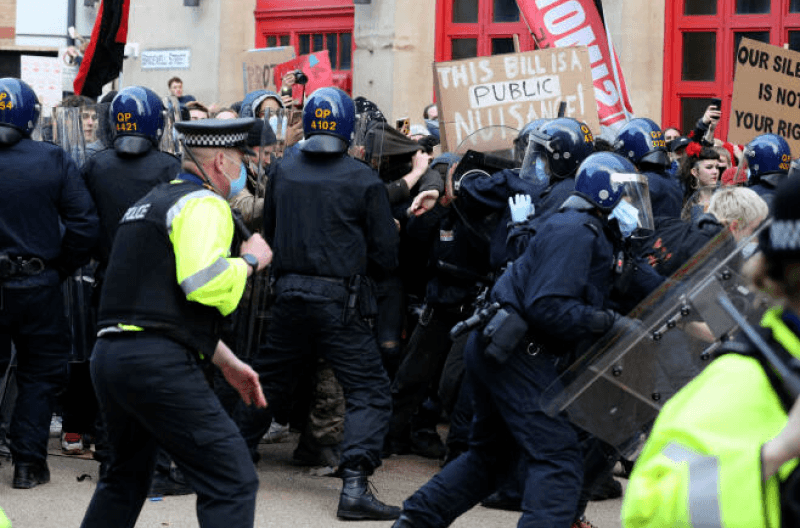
column 503, row 334
column 11, row 267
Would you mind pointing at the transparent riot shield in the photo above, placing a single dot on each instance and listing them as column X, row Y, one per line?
column 485, row 152
column 169, row 139
column 104, row 129
column 278, row 122
column 616, row 389
column 77, row 292
column 68, row 133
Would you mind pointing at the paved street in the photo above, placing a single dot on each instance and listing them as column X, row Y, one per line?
column 289, row 496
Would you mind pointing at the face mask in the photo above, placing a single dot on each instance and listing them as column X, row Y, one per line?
column 627, row 218
column 238, row 184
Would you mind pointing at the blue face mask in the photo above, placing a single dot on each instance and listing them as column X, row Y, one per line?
column 627, row 218
column 238, row 184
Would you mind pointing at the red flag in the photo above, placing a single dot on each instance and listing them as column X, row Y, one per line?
column 102, row 61
column 563, row 23
column 316, row 66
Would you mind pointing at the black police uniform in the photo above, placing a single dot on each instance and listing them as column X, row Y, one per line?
column 766, row 184
column 116, row 181
column 560, row 310
column 48, row 227
column 326, row 216
column 459, row 264
column 146, row 367
column 666, row 196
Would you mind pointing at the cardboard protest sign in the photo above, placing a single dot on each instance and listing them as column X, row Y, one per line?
column 766, row 94
column 513, row 90
column 259, row 65
column 317, row 66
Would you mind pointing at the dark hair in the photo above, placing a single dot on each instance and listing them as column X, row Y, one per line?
column 197, row 105
column 426, row 112
column 76, row 101
column 174, row 79
column 693, row 156
column 672, row 128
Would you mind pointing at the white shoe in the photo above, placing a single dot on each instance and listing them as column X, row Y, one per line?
column 277, row 433
column 72, row 443
column 55, row 426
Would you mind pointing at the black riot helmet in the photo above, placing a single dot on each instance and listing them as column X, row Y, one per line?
column 564, row 142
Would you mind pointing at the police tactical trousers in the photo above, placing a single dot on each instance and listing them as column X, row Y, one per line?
column 508, row 414
column 153, row 394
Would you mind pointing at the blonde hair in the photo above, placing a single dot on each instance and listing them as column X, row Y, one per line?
column 740, row 204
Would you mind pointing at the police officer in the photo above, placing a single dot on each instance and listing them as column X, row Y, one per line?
column 120, row 176
column 117, row 178
column 642, row 142
column 327, row 215
column 768, row 158
column 545, row 316
column 723, row 450
column 41, row 194
column 169, row 283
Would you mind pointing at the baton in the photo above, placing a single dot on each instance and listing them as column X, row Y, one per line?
column 790, row 380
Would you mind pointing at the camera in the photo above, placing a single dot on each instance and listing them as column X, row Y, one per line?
column 300, row 77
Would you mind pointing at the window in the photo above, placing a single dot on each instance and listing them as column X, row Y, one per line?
column 701, row 40
column 310, row 26
column 477, row 28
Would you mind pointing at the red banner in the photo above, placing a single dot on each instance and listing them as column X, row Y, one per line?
column 316, row 66
column 563, row 23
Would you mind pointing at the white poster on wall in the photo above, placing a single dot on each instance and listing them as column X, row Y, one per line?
column 43, row 74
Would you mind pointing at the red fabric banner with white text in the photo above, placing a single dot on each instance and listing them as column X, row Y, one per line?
column 563, row 23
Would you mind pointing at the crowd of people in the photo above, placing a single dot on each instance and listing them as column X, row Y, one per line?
column 233, row 271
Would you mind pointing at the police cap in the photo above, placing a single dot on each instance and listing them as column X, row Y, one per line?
column 216, row 133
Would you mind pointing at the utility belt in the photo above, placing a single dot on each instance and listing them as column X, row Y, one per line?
column 357, row 291
column 14, row 267
column 503, row 332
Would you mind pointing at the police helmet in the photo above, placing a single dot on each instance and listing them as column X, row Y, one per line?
column 19, row 108
column 565, row 143
column 328, row 121
column 137, row 115
column 641, row 141
column 767, row 154
column 779, row 241
column 595, row 183
column 521, row 141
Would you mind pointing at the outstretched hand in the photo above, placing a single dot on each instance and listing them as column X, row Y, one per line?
column 245, row 380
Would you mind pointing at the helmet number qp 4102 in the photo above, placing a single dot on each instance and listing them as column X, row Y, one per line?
column 319, row 124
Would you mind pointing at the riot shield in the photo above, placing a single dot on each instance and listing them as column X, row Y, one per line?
column 616, row 389
column 485, row 152
column 68, row 133
column 278, row 122
column 169, row 139
column 77, row 292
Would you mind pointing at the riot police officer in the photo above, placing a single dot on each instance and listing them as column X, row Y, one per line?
column 41, row 194
column 120, row 176
column 642, row 142
column 768, row 158
column 543, row 319
column 327, row 216
column 117, row 178
column 161, row 308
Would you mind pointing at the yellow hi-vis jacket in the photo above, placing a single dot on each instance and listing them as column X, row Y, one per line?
column 701, row 466
column 4, row 522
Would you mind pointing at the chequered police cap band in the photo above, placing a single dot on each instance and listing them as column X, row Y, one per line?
column 785, row 234
column 215, row 140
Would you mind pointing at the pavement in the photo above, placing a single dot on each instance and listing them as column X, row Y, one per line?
column 289, row 496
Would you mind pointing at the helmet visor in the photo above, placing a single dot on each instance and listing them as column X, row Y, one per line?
column 636, row 192
column 534, row 166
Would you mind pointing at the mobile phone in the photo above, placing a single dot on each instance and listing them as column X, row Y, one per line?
column 716, row 101
column 404, row 125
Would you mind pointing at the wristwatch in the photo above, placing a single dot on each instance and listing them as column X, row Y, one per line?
column 251, row 261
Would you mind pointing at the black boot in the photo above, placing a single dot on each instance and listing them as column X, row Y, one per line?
column 357, row 501
column 30, row 474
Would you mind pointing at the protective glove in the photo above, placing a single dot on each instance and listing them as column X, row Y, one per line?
column 521, row 207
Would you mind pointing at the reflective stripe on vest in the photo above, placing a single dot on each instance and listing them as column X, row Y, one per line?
column 780, row 332
column 204, row 276
column 175, row 210
column 703, row 493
